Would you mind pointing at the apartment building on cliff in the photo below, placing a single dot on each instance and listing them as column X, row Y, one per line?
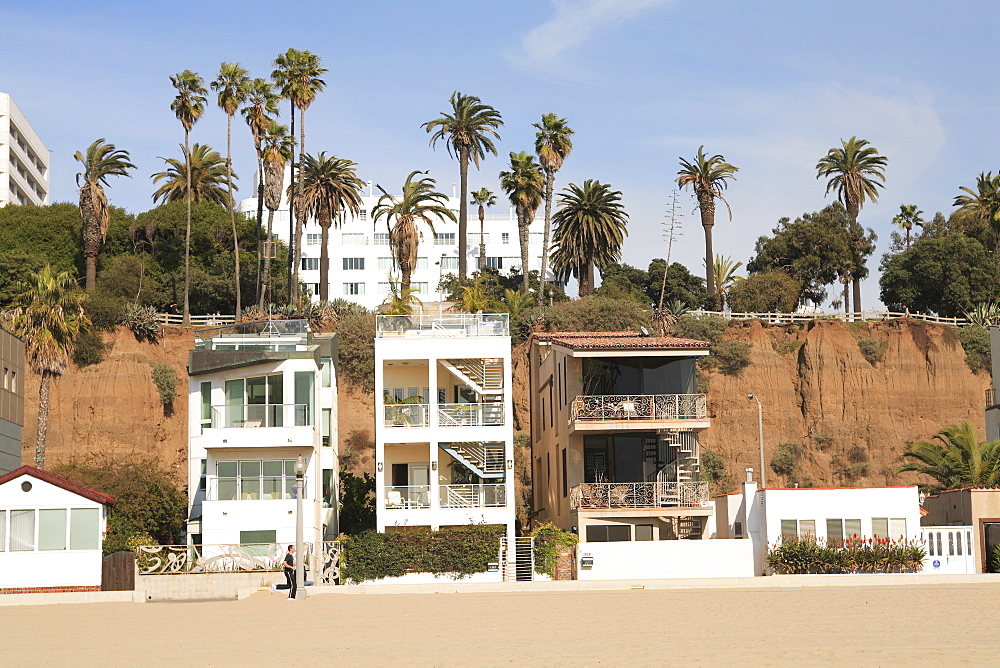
column 24, row 160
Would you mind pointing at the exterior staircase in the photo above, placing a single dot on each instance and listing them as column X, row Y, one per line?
column 486, row 461
column 485, row 376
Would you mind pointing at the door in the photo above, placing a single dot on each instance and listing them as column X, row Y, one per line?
column 991, row 545
column 420, row 480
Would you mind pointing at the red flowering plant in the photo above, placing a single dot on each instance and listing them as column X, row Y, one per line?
column 856, row 554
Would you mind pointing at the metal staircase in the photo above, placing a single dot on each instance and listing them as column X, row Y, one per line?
column 485, row 376
column 486, row 461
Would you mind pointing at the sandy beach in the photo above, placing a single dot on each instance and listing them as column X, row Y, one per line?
column 857, row 625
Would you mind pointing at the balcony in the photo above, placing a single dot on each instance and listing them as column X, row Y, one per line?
column 603, row 495
column 470, row 415
column 642, row 410
column 407, row 415
column 244, row 416
column 442, row 326
column 257, row 488
column 410, row 497
column 407, row 497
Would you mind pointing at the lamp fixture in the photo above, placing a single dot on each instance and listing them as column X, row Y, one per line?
column 379, row 467
column 510, row 464
column 434, row 465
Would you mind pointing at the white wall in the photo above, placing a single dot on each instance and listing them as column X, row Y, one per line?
column 666, row 559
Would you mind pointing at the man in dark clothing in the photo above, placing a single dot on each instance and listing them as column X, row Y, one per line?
column 289, row 573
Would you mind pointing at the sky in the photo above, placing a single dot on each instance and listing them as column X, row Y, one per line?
column 772, row 86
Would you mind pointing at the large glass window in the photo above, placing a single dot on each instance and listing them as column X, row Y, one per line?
column 449, row 263
column 304, row 384
column 353, row 263
column 206, row 405
column 52, row 529
column 22, row 530
column 638, row 375
column 255, row 401
column 380, row 239
column 3, row 530
column 253, row 480
column 444, row 239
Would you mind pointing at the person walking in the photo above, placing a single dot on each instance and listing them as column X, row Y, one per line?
column 289, row 573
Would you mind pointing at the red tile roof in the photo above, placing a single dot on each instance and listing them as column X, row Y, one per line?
column 617, row 341
column 58, row 481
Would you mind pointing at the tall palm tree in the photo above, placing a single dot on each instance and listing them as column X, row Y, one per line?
column 205, row 172
column 188, row 107
column 908, row 216
column 233, row 87
column 724, row 272
column 418, row 201
column 48, row 316
column 957, row 460
column 100, row 161
column 330, row 188
column 707, row 177
column 467, row 132
column 589, row 230
column 278, row 148
column 983, row 202
column 524, row 185
column 855, row 170
column 483, row 198
column 297, row 75
column 262, row 105
column 552, row 144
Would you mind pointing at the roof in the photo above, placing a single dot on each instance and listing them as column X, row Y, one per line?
column 618, row 341
column 58, row 481
column 969, row 489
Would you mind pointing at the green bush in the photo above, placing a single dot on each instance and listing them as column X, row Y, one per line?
column 356, row 342
column 794, row 555
column 549, row 539
column 713, row 471
column 786, row 460
column 165, row 379
column 769, row 292
column 89, row 349
column 976, row 343
column 872, row 349
column 786, row 347
column 726, row 356
column 731, row 357
column 104, row 310
column 357, row 503
column 596, row 314
column 701, row 328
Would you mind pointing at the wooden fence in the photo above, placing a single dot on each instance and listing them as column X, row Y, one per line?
column 196, row 320
column 782, row 318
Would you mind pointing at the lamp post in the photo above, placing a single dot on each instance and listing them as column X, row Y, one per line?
column 300, row 566
column 760, row 438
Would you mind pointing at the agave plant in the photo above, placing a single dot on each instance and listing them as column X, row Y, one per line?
column 142, row 322
column 986, row 314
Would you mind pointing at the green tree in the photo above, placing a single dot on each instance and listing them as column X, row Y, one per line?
column 278, row 149
column 707, row 177
column 855, row 171
column 188, row 107
column 589, row 231
column 483, row 198
column 983, row 204
column 357, row 503
column 622, row 281
column 330, row 188
column 524, row 185
column 206, row 172
column 724, row 273
column 680, row 285
column 48, row 316
column 233, row 88
column 552, row 144
column 261, row 106
column 468, row 132
column 297, row 74
column 908, row 216
column 419, row 201
column 771, row 292
column 958, row 459
column 100, row 161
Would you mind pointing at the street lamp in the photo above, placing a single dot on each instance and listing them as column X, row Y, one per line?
column 300, row 566
column 760, row 438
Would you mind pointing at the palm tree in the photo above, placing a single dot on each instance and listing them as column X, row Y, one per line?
column 233, row 87
column 589, row 230
column 524, row 185
column 855, row 171
column 983, row 202
column 48, row 316
column 484, row 198
column 188, row 107
column 297, row 75
column 418, row 201
column 467, row 133
column 958, row 460
column 206, row 172
column 330, row 188
column 278, row 148
column 262, row 103
column 724, row 272
column 99, row 162
column 908, row 216
column 552, row 144
column 708, row 177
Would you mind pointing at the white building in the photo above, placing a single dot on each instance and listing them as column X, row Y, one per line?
column 261, row 395
column 24, row 160
column 444, row 435
column 361, row 265
column 50, row 533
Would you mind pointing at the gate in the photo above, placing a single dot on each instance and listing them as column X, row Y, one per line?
column 118, row 572
column 518, row 559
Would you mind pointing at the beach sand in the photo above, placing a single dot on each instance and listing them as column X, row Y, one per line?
column 932, row 624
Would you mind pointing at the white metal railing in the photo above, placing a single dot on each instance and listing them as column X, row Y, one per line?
column 488, row 458
column 777, row 318
column 230, row 416
column 404, row 497
column 640, row 407
column 639, row 495
column 473, row 496
column 462, row 324
column 253, row 488
column 406, row 415
column 488, row 374
column 470, row 415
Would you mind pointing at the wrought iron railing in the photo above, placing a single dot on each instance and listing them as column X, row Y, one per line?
column 231, row 416
column 640, row 407
column 464, row 324
column 406, row 415
column 405, row 497
column 470, row 415
column 473, row 496
column 639, row 495
column 323, row 558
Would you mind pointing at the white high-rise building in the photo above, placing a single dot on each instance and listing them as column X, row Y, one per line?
column 361, row 266
column 24, row 160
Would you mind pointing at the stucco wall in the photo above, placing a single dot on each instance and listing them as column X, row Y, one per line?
column 666, row 559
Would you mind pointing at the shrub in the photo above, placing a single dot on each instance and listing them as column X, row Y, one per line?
column 596, row 314
column 357, row 503
column 872, row 349
column 90, row 349
column 702, row 328
column 356, row 341
column 142, row 322
column 549, row 539
column 770, row 292
column 104, row 310
column 976, row 343
column 823, row 441
column 800, row 555
column 165, row 379
column 731, row 357
column 713, row 471
column 726, row 356
column 786, row 347
column 786, row 460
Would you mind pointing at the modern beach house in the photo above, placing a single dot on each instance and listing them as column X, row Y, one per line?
column 260, row 396
column 444, row 437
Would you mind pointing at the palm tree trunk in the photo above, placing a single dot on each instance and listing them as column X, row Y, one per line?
column 404, row 277
column 847, row 297
column 707, row 208
column 550, row 178
column 91, row 259
column 300, row 217
column 292, row 288
column 232, row 212
column 463, row 214
column 482, row 238
column 265, row 282
column 857, row 296
column 586, row 279
column 43, row 418
column 522, row 239
column 187, row 236
column 324, row 262
column 260, row 219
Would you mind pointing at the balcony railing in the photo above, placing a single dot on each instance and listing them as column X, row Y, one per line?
column 470, row 415
column 257, row 488
column 407, row 497
column 990, row 397
column 640, row 407
column 465, row 324
column 473, row 496
column 639, row 495
column 260, row 415
column 406, row 415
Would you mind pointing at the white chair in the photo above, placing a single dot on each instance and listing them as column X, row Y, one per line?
column 394, row 498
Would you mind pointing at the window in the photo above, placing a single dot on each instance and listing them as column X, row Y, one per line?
column 253, row 480
column 305, row 382
column 421, row 288
column 474, row 238
column 52, row 529
column 385, row 264
column 310, row 263
column 354, row 264
column 644, row 532
column 798, row 528
column 313, row 239
column 3, row 530
column 383, row 289
column 505, row 237
column 491, row 262
column 355, row 238
column 381, row 239
column 354, row 288
column 421, row 263
column 449, row 263
column 609, row 533
column 444, row 239
column 206, row 406
column 84, row 529
column 22, row 530
column 837, row 529
column 266, row 536
column 254, row 402
column 885, row 527
column 565, row 475
column 363, row 214
column 536, row 238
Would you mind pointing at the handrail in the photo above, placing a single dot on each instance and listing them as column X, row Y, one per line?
column 471, row 415
column 779, row 318
column 640, row 407
column 449, row 325
column 196, row 320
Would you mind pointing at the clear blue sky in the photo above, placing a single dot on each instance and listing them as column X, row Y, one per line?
column 771, row 85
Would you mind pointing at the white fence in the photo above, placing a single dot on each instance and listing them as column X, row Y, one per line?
column 782, row 318
column 196, row 320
